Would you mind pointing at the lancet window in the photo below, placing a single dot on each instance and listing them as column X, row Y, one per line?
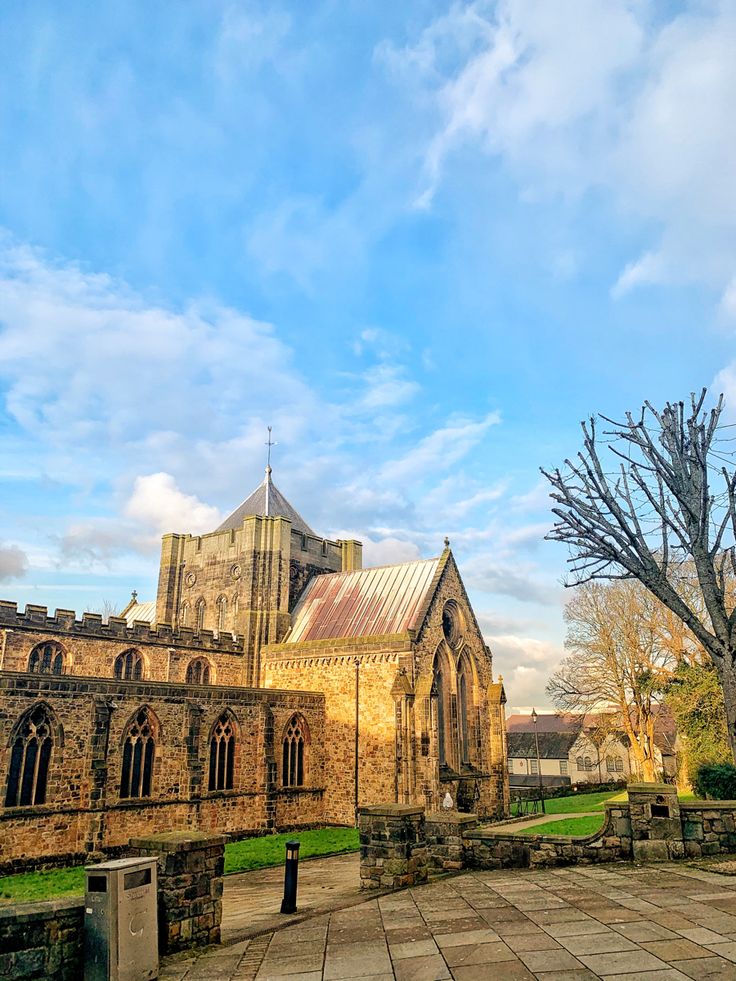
column 47, row 658
column 30, row 758
column 139, row 750
column 293, row 752
column 222, row 753
column 129, row 665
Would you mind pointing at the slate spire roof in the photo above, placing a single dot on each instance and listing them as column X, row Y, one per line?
column 268, row 501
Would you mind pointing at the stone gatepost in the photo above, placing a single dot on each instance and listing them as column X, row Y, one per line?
column 393, row 847
column 656, row 829
column 190, row 879
column 445, row 830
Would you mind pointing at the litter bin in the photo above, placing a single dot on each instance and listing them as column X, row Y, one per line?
column 120, row 921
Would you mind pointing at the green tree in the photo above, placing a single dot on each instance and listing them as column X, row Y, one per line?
column 695, row 698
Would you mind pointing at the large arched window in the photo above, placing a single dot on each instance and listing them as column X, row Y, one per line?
column 222, row 753
column 139, row 750
column 47, row 658
column 129, row 665
column 465, row 705
column 30, row 757
column 200, row 611
column 443, row 690
column 199, row 672
column 293, row 748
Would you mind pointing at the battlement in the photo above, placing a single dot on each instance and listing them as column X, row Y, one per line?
column 37, row 618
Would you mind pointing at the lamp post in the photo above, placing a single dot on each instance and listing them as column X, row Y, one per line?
column 539, row 762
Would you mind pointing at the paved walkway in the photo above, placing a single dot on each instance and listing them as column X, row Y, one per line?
column 618, row 922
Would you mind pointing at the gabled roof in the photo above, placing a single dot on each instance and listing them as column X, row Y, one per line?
column 268, row 501
column 140, row 611
column 388, row 599
column 552, row 745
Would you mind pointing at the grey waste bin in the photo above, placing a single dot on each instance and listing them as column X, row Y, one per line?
column 120, row 922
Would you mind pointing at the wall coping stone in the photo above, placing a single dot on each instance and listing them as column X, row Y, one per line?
column 45, row 909
column 707, row 805
column 652, row 788
column 392, row 810
column 179, row 841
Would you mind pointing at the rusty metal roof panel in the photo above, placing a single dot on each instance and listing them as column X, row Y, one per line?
column 141, row 611
column 364, row 603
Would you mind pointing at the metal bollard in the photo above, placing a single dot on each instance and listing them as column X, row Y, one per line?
column 291, row 873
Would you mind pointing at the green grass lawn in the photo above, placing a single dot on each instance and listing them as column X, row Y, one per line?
column 580, row 802
column 567, row 826
column 240, row 856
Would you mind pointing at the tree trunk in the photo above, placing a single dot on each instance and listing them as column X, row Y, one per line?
column 727, row 673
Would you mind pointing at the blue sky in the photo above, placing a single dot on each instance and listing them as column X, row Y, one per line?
column 422, row 241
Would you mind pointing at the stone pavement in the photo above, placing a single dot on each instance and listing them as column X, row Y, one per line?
column 619, row 922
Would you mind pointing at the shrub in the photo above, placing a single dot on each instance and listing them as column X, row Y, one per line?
column 716, row 781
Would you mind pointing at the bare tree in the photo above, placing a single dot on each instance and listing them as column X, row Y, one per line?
column 659, row 507
column 617, row 666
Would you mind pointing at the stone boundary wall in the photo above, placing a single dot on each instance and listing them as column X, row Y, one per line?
column 393, row 847
column 42, row 941
column 64, row 622
column 445, row 832
column 708, row 827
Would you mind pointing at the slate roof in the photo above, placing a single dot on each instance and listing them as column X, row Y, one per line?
column 387, row 599
column 552, row 745
column 266, row 500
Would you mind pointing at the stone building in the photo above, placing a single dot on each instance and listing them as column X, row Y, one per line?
column 273, row 683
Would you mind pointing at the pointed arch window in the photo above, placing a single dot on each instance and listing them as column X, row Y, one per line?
column 184, row 615
column 30, row 758
column 139, row 749
column 442, row 686
column 129, row 665
column 222, row 754
column 47, row 658
column 199, row 672
column 221, row 613
column 464, row 688
column 200, row 611
column 292, row 760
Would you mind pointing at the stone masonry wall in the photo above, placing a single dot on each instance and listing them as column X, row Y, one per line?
column 393, row 846
column 42, row 941
column 84, row 812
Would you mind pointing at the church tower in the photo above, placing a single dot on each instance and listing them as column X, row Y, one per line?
column 247, row 575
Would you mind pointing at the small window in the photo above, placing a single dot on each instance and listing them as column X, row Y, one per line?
column 29, row 760
column 563, row 767
column 588, row 764
column 47, row 658
column 610, row 765
column 200, row 610
column 304, row 543
column 533, row 766
column 619, row 765
column 293, row 753
column 221, row 614
column 580, row 763
column 138, row 754
column 198, row 672
column 184, row 615
column 129, row 666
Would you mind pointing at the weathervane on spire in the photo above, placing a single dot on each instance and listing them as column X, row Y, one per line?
column 269, row 443
column 267, row 482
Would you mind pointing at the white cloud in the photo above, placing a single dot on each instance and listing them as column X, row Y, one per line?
column 13, row 562
column 440, row 449
column 158, row 503
column 387, row 551
column 593, row 94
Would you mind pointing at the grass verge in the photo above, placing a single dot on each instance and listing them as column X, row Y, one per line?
column 567, row 826
column 240, row 856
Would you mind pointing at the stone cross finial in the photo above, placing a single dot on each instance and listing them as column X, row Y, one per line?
column 447, row 542
column 134, row 596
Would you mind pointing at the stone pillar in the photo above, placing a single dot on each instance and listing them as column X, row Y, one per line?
column 393, row 848
column 656, row 829
column 190, row 870
column 445, row 830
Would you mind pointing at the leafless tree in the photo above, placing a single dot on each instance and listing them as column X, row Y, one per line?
column 655, row 500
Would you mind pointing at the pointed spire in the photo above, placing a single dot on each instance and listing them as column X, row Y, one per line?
column 267, row 481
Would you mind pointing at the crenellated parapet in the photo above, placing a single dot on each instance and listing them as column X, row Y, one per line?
column 91, row 625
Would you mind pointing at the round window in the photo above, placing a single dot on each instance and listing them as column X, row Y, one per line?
column 451, row 623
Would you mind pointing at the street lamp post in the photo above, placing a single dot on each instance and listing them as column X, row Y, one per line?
column 539, row 762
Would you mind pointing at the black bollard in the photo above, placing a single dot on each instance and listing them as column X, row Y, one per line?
column 291, row 873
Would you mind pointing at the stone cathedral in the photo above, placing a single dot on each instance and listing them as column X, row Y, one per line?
column 273, row 683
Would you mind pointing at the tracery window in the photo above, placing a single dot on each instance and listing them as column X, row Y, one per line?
column 129, row 665
column 464, row 707
column 222, row 754
column 293, row 753
column 47, row 658
column 139, row 749
column 29, row 760
column 198, row 672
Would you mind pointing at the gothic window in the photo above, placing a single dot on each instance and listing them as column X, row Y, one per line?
column 200, row 609
column 139, row 749
column 580, row 763
column 619, row 764
column 184, row 615
column 610, row 765
column 293, row 753
column 588, row 764
column 30, row 757
column 47, row 658
column 465, row 706
column 222, row 754
column 198, row 672
column 129, row 665
column 451, row 625
column 442, row 686
column 221, row 613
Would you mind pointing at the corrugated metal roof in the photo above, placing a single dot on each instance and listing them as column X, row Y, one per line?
column 141, row 611
column 369, row 602
column 268, row 500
